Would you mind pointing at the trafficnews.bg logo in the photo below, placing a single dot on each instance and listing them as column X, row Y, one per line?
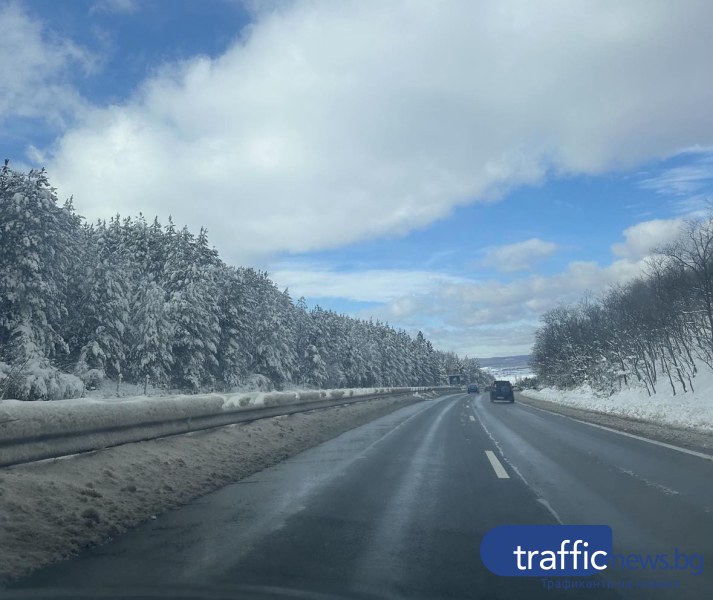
column 570, row 550
column 546, row 550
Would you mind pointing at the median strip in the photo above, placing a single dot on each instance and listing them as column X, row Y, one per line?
column 497, row 465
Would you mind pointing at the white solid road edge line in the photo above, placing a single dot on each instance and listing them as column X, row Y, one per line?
column 497, row 466
column 631, row 435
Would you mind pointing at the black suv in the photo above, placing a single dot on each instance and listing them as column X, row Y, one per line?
column 502, row 390
column 473, row 389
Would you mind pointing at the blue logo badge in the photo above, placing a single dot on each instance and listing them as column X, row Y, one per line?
column 546, row 550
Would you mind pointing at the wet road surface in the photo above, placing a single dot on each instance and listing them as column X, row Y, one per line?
column 397, row 508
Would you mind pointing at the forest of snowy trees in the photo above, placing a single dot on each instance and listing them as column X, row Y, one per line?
column 137, row 301
column 655, row 331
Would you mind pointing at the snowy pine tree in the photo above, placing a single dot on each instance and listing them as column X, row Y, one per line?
column 132, row 299
column 36, row 246
column 150, row 335
column 235, row 309
column 192, row 308
column 104, row 307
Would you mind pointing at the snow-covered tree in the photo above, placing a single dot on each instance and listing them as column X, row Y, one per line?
column 150, row 352
column 141, row 300
column 236, row 306
column 36, row 249
column 192, row 309
column 105, row 294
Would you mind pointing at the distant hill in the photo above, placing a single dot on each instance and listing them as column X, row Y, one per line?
column 508, row 367
column 505, row 361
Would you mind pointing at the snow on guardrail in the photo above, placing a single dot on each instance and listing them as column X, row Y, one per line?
column 37, row 430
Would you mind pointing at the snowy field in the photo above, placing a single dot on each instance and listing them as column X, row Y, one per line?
column 52, row 509
column 510, row 368
column 691, row 410
column 512, row 375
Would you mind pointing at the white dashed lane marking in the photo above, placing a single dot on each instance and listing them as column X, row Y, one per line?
column 497, row 465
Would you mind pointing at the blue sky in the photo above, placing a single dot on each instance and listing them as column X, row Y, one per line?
column 458, row 168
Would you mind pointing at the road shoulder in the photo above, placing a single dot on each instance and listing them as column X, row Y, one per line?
column 690, row 439
column 52, row 509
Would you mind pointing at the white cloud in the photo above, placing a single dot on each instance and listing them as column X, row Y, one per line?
column 482, row 318
column 485, row 340
column 519, row 256
column 114, row 6
column 35, row 67
column 331, row 122
column 642, row 238
column 685, row 180
column 492, row 318
column 492, row 302
column 697, row 206
column 412, row 297
column 371, row 285
column 475, row 317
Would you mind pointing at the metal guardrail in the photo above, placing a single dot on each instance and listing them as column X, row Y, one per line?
column 32, row 431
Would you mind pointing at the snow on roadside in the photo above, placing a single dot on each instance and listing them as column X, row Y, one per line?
column 20, row 420
column 54, row 508
column 690, row 410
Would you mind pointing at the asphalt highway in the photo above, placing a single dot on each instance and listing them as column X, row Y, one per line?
column 397, row 508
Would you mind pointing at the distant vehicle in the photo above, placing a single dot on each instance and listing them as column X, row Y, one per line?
column 473, row 389
column 502, row 390
column 516, row 388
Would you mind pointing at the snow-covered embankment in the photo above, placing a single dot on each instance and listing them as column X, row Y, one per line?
column 51, row 509
column 38, row 430
column 690, row 410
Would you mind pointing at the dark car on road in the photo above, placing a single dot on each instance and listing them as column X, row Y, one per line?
column 473, row 389
column 502, row 390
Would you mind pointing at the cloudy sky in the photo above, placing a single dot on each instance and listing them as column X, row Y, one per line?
column 457, row 167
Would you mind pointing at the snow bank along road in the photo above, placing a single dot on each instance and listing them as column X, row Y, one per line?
column 52, row 508
column 31, row 431
column 662, row 429
column 397, row 508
